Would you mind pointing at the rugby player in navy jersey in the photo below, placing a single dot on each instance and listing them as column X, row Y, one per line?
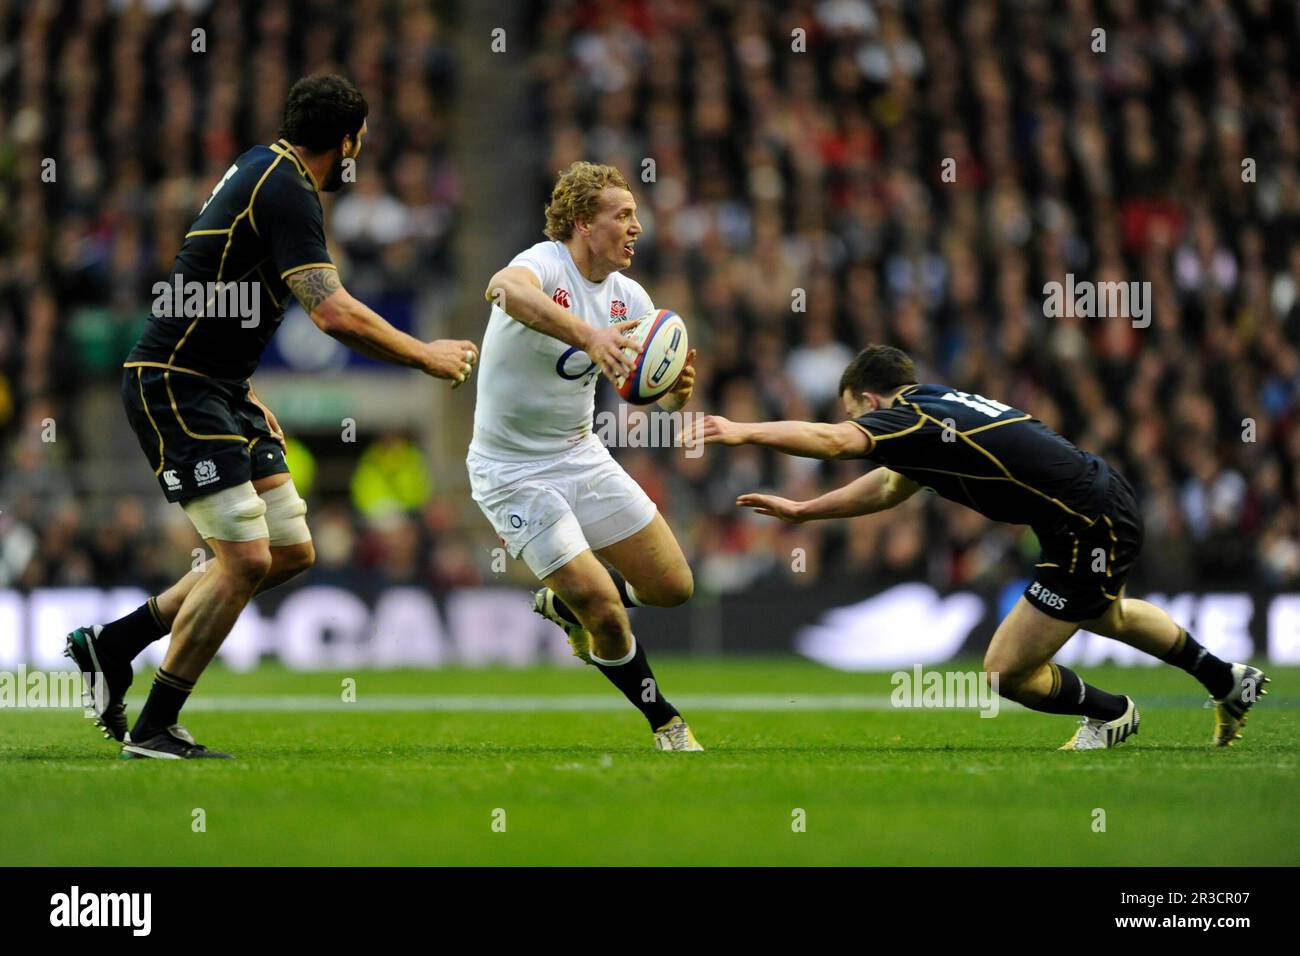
column 1009, row 467
column 213, row 446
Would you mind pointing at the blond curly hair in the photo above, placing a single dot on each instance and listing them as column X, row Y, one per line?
column 577, row 196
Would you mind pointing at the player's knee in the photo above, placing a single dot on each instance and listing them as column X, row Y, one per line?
column 1006, row 674
column 668, row 590
column 236, row 515
column 678, row 588
column 286, row 517
column 247, row 566
column 294, row 560
column 605, row 618
column 601, row 613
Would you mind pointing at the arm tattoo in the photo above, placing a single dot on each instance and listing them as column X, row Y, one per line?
column 313, row 286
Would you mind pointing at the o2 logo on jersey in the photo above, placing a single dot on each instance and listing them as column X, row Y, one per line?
column 561, row 298
column 563, row 369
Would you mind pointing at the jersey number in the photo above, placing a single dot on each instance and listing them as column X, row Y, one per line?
column 985, row 406
column 217, row 188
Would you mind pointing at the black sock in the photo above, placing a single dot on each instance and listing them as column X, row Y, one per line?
column 623, row 591
column 1214, row 674
column 566, row 612
column 163, row 707
column 637, row 682
column 126, row 637
column 1070, row 695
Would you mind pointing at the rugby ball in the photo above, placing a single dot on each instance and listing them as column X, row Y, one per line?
column 661, row 336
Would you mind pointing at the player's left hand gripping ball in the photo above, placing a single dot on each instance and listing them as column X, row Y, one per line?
column 677, row 396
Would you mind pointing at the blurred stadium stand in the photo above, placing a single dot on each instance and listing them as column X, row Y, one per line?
column 774, row 171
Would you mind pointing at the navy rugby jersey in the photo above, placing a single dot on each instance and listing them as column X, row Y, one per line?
column 988, row 456
column 262, row 223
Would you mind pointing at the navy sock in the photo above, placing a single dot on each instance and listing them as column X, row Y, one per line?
column 1214, row 674
column 1070, row 695
column 637, row 682
column 126, row 637
column 624, row 592
column 163, row 707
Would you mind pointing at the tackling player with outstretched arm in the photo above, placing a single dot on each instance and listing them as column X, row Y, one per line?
column 542, row 478
column 1009, row 467
column 213, row 446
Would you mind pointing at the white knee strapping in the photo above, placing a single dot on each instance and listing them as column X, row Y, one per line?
column 286, row 515
column 232, row 514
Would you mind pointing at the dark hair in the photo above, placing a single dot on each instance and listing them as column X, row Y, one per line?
column 880, row 369
column 321, row 110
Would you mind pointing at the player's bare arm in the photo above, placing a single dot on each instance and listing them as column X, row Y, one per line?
column 804, row 439
column 518, row 292
column 356, row 325
column 876, row 491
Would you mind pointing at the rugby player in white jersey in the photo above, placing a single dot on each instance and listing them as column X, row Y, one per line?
column 548, row 485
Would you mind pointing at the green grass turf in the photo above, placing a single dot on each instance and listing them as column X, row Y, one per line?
column 878, row 787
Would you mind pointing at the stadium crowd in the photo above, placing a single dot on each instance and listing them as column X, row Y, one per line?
column 824, row 175
column 830, row 174
column 142, row 106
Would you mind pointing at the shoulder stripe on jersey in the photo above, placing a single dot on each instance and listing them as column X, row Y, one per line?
column 906, row 431
column 252, row 220
column 288, row 151
column 308, row 265
column 208, row 232
column 865, row 431
column 1003, row 468
column 984, row 428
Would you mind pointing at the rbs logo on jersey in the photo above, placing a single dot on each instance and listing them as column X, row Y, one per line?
column 1047, row 598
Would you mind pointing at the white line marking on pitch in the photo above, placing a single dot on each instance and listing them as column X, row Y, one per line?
column 571, row 703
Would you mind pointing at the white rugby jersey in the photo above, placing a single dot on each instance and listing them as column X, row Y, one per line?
column 536, row 394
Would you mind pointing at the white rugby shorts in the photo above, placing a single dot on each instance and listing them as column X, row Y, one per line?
column 550, row 510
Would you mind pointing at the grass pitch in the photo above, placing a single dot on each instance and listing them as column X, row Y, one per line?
column 420, row 768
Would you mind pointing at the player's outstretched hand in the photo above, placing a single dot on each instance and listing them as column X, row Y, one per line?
column 716, row 430
column 452, row 359
column 772, row 506
column 605, row 346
